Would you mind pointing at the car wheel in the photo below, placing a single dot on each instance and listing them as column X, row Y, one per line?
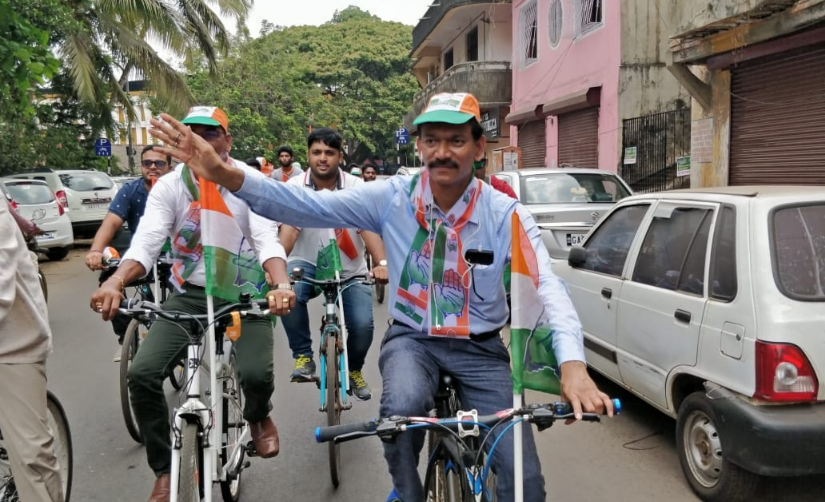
column 56, row 254
column 699, row 446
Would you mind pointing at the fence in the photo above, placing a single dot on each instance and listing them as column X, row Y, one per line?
column 650, row 145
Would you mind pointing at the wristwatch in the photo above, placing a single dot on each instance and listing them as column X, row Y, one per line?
column 382, row 263
column 282, row 285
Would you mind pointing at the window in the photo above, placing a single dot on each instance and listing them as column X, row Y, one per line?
column 30, row 193
column 556, row 23
column 607, row 249
column 723, row 282
column 448, row 60
column 528, row 33
column 674, row 251
column 799, row 251
column 87, row 181
column 589, row 16
column 565, row 188
column 472, row 45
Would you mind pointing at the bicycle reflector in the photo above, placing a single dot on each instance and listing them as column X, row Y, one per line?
column 233, row 330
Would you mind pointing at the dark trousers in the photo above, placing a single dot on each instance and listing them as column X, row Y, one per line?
column 166, row 344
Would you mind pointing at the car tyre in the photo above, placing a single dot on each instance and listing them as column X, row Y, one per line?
column 699, row 446
column 57, row 254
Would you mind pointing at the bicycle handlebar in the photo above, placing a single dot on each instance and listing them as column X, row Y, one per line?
column 135, row 308
column 543, row 415
column 344, row 281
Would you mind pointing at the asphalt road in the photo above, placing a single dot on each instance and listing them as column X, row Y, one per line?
column 626, row 459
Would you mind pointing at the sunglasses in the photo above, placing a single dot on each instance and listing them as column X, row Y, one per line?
column 210, row 134
column 161, row 164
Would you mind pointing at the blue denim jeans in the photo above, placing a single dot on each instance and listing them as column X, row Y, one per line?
column 410, row 363
column 357, row 316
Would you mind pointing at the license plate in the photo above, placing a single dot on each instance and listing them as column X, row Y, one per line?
column 575, row 239
column 96, row 206
column 45, row 237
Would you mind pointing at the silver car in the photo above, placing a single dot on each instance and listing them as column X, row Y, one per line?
column 565, row 202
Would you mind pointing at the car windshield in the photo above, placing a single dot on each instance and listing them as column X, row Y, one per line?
column 799, row 251
column 86, row 181
column 30, row 193
column 569, row 188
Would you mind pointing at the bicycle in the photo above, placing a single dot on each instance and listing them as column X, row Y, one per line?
column 197, row 463
column 59, row 425
column 457, row 469
column 333, row 379
column 379, row 288
column 148, row 289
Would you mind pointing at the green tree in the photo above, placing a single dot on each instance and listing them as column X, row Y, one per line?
column 352, row 74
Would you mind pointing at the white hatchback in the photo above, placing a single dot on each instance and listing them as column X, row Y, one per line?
column 710, row 305
column 36, row 202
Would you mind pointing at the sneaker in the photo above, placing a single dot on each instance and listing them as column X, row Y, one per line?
column 393, row 497
column 359, row 386
column 116, row 359
column 304, row 370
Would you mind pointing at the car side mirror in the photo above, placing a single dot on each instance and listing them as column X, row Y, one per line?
column 576, row 257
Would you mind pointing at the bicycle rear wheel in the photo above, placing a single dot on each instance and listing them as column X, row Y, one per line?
column 231, row 431
column 131, row 341
column 333, row 402
column 59, row 425
column 188, row 487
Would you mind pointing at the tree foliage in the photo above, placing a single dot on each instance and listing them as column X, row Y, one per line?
column 351, row 74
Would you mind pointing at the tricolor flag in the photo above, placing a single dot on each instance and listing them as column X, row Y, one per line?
column 531, row 337
column 231, row 265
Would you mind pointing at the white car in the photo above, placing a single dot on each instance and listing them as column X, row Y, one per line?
column 86, row 195
column 36, row 202
column 710, row 305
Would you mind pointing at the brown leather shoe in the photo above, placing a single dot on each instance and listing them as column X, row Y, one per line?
column 265, row 438
column 160, row 493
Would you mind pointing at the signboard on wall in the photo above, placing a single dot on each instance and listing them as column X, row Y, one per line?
column 683, row 166
column 490, row 123
column 630, row 155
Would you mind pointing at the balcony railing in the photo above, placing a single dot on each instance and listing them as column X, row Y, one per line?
column 490, row 82
column 436, row 13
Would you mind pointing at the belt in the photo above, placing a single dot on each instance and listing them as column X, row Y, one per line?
column 474, row 337
column 189, row 285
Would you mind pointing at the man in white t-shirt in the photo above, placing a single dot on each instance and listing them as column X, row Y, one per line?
column 302, row 245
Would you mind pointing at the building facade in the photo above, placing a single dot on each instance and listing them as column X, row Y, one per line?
column 756, row 72
column 465, row 46
column 135, row 132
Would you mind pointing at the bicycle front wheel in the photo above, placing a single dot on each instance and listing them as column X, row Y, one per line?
column 333, row 401
column 232, row 429
column 445, row 480
column 379, row 292
column 131, row 340
column 59, row 425
column 188, row 487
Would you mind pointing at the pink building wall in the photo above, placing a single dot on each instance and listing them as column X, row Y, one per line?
column 593, row 60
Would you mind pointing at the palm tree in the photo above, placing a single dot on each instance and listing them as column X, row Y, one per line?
column 112, row 42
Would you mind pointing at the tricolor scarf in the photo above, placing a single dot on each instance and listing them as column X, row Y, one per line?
column 432, row 294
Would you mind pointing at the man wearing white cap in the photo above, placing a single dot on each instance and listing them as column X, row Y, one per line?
column 447, row 317
column 173, row 211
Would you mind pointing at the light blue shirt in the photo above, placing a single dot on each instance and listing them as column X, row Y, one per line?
column 384, row 207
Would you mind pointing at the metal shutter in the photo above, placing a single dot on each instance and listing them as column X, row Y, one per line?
column 532, row 140
column 579, row 138
column 777, row 133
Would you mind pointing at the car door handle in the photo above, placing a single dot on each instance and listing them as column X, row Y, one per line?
column 607, row 293
column 682, row 315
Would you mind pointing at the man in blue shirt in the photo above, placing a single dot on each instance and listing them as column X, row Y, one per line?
column 128, row 205
column 447, row 313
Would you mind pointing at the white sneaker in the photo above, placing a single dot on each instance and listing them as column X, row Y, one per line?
column 116, row 359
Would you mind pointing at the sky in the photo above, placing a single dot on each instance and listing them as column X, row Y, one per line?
column 316, row 12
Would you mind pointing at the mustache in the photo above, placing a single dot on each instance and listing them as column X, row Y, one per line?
column 443, row 163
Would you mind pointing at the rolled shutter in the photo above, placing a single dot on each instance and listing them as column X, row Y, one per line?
column 532, row 139
column 579, row 138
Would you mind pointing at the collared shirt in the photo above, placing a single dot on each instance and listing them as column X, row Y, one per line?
column 313, row 239
column 130, row 203
column 278, row 174
column 384, row 207
column 166, row 212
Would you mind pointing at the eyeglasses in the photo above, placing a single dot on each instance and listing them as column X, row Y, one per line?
column 210, row 134
column 161, row 164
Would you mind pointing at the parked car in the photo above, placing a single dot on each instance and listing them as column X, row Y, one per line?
column 407, row 171
column 709, row 305
column 565, row 203
column 36, row 202
column 122, row 180
column 86, row 195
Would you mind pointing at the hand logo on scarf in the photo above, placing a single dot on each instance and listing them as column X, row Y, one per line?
column 449, row 295
column 419, row 265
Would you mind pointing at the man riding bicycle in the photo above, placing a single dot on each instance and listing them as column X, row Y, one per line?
column 447, row 313
column 324, row 155
column 128, row 205
column 173, row 210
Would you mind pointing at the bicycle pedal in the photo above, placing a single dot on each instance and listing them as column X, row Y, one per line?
column 250, row 450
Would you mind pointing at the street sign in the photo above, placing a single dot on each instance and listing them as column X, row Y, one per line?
column 103, row 147
column 402, row 136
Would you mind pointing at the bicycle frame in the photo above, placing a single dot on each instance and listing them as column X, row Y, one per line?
column 333, row 320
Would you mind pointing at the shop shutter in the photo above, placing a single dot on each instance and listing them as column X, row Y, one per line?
column 532, row 139
column 579, row 138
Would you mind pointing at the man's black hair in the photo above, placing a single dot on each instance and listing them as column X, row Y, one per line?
column 327, row 136
column 149, row 148
column 287, row 149
column 253, row 162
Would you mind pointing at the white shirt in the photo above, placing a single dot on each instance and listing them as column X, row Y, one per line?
column 311, row 240
column 166, row 211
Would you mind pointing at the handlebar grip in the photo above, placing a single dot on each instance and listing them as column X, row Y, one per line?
column 130, row 303
column 617, row 406
column 324, row 434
